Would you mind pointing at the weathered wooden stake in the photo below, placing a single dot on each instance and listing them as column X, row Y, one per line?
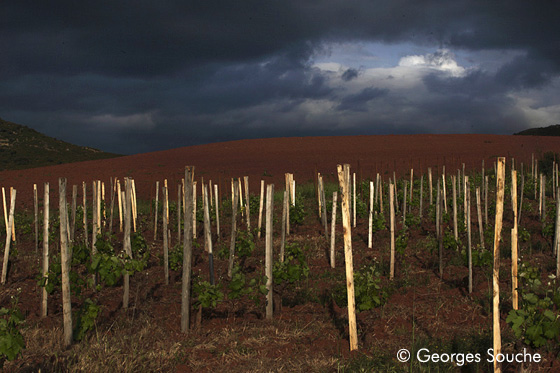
column 430, row 185
column 514, row 256
column 233, row 228
column 261, row 205
column 187, row 250
column 84, row 207
column 247, row 207
column 128, row 214
column 8, row 241
column 469, row 237
column 421, row 194
column 217, row 208
column 45, row 248
column 333, row 228
column 155, row 211
column 285, row 206
column 73, row 219
column 479, row 216
column 165, row 238
column 497, row 342
column 344, row 181
column 65, row 261
column 36, row 221
column 392, row 228
column 455, row 228
column 370, row 221
column 208, row 231
column 268, row 253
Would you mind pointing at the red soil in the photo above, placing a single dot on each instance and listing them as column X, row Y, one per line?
column 269, row 159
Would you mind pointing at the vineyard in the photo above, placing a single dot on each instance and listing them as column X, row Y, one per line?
column 206, row 275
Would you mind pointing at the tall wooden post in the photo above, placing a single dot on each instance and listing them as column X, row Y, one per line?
column 497, row 341
column 233, row 228
column 469, row 237
column 84, row 207
column 128, row 214
column 247, row 207
column 36, row 221
column 514, row 256
column 45, row 247
column 285, row 207
column 156, row 208
column 65, row 261
column 268, row 247
column 392, row 219
column 216, row 198
column 208, row 231
column 165, row 238
column 333, row 228
column 187, row 250
column 455, row 228
column 261, row 203
column 73, row 220
column 344, row 182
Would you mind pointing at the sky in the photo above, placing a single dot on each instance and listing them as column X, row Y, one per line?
column 138, row 76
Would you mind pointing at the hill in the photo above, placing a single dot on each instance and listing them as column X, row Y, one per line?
column 541, row 131
column 22, row 147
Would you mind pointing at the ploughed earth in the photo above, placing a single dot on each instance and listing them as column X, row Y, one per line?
column 419, row 308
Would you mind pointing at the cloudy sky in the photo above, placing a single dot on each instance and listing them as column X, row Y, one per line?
column 138, row 76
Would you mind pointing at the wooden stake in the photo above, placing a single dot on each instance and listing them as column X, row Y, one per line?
column 333, row 228
column 404, row 204
column 247, row 207
column 8, row 241
column 479, row 216
column 73, row 219
column 84, row 207
column 45, row 248
column 65, row 260
column 354, row 199
column 128, row 213
column 187, row 250
column 217, row 208
column 208, row 232
column 165, row 238
column 486, row 201
column 233, row 228
column 134, row 205
column 119, row 193
column 455, row 228
column 370, row 222
column 268, row 247
column 444, row 190
column 94, row 230
column 324, row 207
column 344, row 182
column 155, row 211
column 285, row 206
column 497, row 342
column 36, row 221
column 421, row 193
column 261, row 203
column 179, row 208
column 392, row 219
column 514, row 256
column 469, row 237
column 430, row 185
column 194, row 209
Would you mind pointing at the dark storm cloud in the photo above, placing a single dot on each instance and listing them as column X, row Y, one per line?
column 349, row 74
column 358, row 101
column 131, row 76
